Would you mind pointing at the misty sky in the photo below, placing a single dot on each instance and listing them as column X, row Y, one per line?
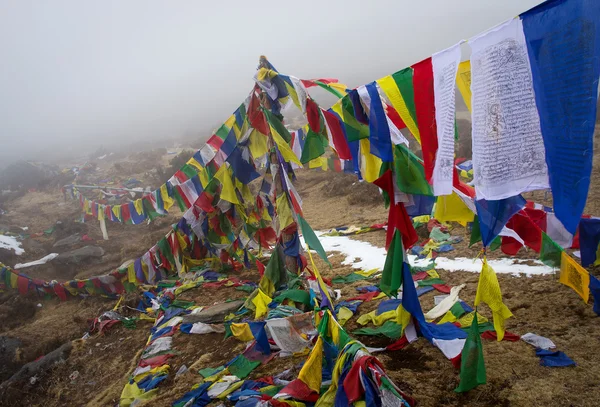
column 78, row 74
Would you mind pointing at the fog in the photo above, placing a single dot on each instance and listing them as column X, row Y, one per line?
column 76, row 75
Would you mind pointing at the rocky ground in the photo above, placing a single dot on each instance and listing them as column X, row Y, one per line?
column 94, row 371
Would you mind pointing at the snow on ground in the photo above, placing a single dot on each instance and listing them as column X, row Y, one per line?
column 11, row 243
column 365, row 256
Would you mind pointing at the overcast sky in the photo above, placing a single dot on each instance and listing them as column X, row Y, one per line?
column 77, row 73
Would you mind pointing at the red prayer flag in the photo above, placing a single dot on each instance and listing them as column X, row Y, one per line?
column 312, row 114
column 425, row 112
column 337, row 135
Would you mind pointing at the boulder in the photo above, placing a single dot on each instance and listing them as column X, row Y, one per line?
column 80, row 255
column 68, row 241
column 39, row 366
column 213, row 314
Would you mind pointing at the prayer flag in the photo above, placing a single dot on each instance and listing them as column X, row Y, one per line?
column 488, row 291
column 472, row 366
column 425, row 113
column 563, row 40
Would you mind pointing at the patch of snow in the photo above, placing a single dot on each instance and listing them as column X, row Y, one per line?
column 371, row 257
column 11, row 243
column 41, row 261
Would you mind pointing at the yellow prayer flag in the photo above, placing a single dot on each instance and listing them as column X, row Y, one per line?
column 164, row 194
column 451, row 208
column 367, row 273
column 261, row 301
column 132, row 392
column 293, row 94
column 139, row 206
column 318, row 162
column 340, row 87
column 389, row 87
column 284, row 148
column 230, row 121
column 227, row 190
column 265, row 73
column 14, row 279
column 194, row 163
column 284, row 212
column 257, row 143
column 100, row 213
column 488, row 291
column 574, row 276
column 311, row 372
column 467, row 320
column 432, row 273
column 375, row 319
column 131, row 274
column 463, row 82
column 370, row 164
column 448, row 317
column 343, row 315
column 203, row 175
column 242, row 332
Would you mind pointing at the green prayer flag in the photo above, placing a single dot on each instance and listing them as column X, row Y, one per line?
column 475, row 232
column 278, row 125
column 472, row 366
column 311, row 239
column 241, row 367
column 300, row 296
column 189, row 171
column 165, row 249
column 210, row 371
column 350, row 278
column 391, row 278
column 313, row 147
column 404, row 81
column 149, row 209
column 496, row 243
column 410, row 173
column 430, row 281
column 274, row 275
column 223, row 132
column 354, row 129
column 551, row 252
column 389, row 329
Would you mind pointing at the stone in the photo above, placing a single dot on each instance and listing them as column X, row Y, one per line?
column 80, row 255
column 213, row 314
column 68, row 241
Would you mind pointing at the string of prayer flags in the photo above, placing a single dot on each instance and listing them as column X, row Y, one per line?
column 488, row 291
column 563, row 43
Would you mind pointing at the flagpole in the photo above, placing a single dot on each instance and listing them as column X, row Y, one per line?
column 291, row 263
